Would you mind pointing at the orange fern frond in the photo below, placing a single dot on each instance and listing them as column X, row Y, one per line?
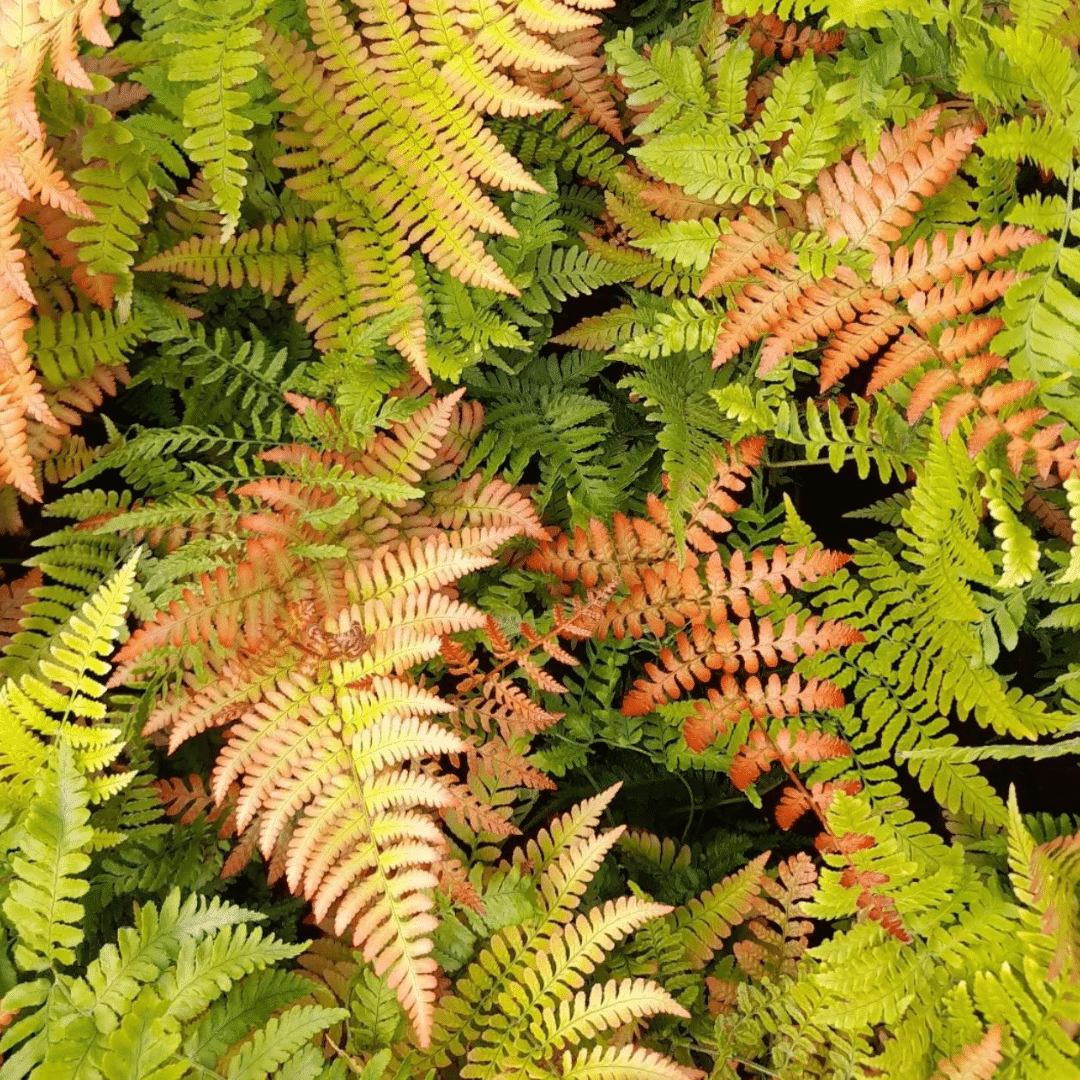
column 702, row 652
column 968, row 338
column 771, row 36
column 721, row 710
column 636, row 544
column 411, row 448
column 585, row 85
column 855, row 342
column 959, row 297
column 16, row 464
column 756, row 758
column 31, row 175
column 708, row 518
column 798, row 800
column 195, row 706
column 224, row 610
column 666, row 594
column 344, row 770
column 14, row 596
column 496, row 762
column 977, row 1061
column 466, row 421
column 870, row 203
column 821, row 308
column 906, row 271
column 670, row 201
column 495, row 504
column 698, row 598
column 779, row 931
column 887, row 315
column 599, row 555
column 1043, row 447
column 989, row 402
column 488, row 703
column 754, row 241
column 761, row 306
column 188, row 799
column 896, row 142
column 1051, row 516
column 55, row 226
column 876, row 906
column 902, row 357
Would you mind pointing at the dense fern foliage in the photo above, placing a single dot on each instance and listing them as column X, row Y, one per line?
column 540, row 538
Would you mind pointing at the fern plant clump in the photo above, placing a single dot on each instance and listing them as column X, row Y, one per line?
column 541, row 538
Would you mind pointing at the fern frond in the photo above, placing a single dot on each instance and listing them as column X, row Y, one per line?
column 754, row 241
column 778, row 926
column 14, row 599
column 339, row 578
column 903, row 182
column 707, row 920
column 267, row 258
column 217, row 52
column 756, row 757
column 605, row 1007
column 55, row 838
column 702, row 651
column 719, row 713
column 977, row 1061
column 623, row 1063
column 60, row 688
column 584, row 86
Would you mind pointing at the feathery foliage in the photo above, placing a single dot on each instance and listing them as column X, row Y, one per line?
column 559, row 540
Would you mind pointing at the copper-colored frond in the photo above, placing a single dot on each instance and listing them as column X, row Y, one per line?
column 14, row 596
column 856, row 342
column 721, row 710
column 757, row 756
column 754, row 241
column 761, row 306
column 870, row 205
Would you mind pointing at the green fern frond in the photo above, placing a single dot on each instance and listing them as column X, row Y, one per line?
column 217, row 51
column 676, row 391
column 940, row 533
column 117, row 189
column 707, row 920
column 71, row 345
column 61, row 690
column 54, row 840
column 185, row 960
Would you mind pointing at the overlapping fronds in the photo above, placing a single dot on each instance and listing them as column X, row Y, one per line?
column 699, row 140
column 863, row 205
column 387, row 140
column 704, row 597
column 53, row 689
column 922, row 661
column 188, row 983
column 340, row 578
column 83, row 232
column 535, row 974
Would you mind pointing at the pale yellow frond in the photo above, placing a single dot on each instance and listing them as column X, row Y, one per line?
column 604, row 1008
column 623, row 1063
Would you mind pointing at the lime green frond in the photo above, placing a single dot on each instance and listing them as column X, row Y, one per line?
column 131, row 1013
column 61, row 690
column 54, row 839
column 71, row 345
